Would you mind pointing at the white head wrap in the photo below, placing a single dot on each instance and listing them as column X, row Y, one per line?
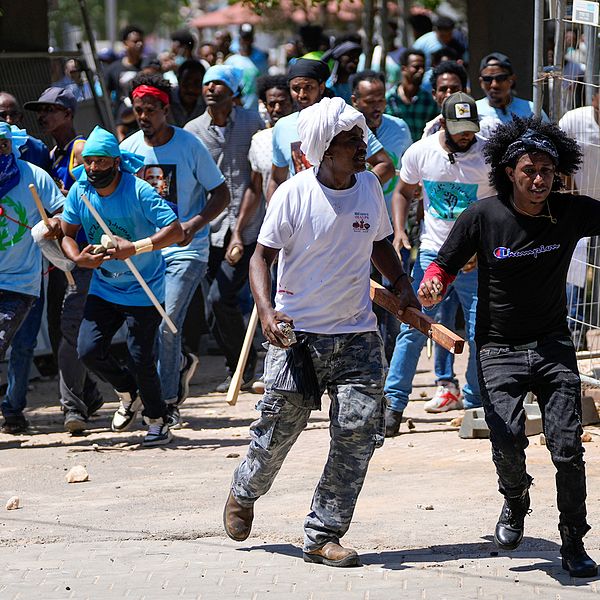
column 320, row 123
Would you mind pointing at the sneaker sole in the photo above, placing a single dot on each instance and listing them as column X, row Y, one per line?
column 185, row 384
column 441, row 410
column 160, row 442
column 349, row 561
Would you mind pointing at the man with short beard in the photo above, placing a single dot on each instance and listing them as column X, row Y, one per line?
column 227, row 130
column 306, row 78
column 198, row 193
column 409, row 102
column 327, row 224
column 451, row 168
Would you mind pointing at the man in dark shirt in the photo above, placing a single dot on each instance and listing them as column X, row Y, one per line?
column 524, row 239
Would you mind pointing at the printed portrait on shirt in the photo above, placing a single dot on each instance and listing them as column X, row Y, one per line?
column 299, row 158
column 448, row 199
column 163, row 178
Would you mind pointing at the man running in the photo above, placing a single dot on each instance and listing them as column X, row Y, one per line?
column 337, row 211
column 524, row 238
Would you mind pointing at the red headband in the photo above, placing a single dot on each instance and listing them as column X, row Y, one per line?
column 148, row 90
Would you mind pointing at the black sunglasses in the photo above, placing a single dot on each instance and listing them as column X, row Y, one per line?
column 499, row 78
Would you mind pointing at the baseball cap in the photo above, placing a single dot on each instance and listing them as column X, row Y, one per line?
column 502, row 60
column 56, row 96
column 460, row 112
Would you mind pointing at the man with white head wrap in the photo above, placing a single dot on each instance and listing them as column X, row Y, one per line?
column 329, row 222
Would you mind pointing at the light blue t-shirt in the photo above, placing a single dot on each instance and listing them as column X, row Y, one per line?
column 517, row 107
column 394, row 135
column 181, row 171
column 133, row 211
column 286, row 145
column 429, row 44
column 20, row 257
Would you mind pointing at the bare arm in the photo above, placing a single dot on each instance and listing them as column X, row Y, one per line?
column 260, row 282
column 278, row 176
column 164, row 237
column 382, row 165
column 83, row 258
column 387, row 262
column 401, row 199
column 250, row 203
column 217, row 202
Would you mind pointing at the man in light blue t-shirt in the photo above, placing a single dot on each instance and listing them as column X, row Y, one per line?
column 181, row 169
column 142, row 222
column 497, row 79
column 306, row 78
column 20, row 258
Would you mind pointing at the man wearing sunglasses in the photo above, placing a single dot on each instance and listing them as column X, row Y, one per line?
column 497, row 79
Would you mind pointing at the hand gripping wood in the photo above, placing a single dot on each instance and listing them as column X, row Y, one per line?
column 415, row 318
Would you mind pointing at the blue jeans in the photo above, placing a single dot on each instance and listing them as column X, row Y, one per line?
column 443, row 360
column 20, row 359
column 410, row 342
column 181, row 280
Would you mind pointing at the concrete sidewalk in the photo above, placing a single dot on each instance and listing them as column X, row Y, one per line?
column 148, row 522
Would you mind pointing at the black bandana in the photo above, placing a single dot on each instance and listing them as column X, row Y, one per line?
column 530, row 141
column 306, row 67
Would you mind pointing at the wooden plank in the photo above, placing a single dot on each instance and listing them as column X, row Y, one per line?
column 415, row 318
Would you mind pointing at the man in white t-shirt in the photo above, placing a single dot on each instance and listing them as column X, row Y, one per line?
column 326, row 224
column 582, row 124
column 451, row 168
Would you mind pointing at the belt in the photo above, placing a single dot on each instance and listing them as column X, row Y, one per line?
column 528, row 346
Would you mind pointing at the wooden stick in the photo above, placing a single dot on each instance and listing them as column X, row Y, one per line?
column 236, row 380
column 130, row 265
column 42, row 211
column 415, row 318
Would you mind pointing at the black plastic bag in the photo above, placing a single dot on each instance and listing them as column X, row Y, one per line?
column 298, row 378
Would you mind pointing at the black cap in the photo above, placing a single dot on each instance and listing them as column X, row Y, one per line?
column 496, row 57
column 55, row 96
column 246, row 30
column 460, row 113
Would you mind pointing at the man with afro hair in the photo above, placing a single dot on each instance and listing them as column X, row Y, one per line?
column 524, row 238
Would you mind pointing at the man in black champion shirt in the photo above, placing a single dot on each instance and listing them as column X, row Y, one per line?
column 524, row 238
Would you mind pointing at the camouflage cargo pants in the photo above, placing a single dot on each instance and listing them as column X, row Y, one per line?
column 351, row 368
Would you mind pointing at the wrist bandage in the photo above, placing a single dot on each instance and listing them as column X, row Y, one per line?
column 143, row 245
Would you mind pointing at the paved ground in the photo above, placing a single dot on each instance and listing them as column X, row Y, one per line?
column 148, row 523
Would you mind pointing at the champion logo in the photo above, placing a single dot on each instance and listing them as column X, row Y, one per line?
column 502, row 252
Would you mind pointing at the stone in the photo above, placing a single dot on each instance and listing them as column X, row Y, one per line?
column 77, row 474
column 13, row 503
column 586, row 437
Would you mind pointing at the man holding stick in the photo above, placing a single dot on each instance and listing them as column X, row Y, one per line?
column 337, row 210
column 143, row 223
column 524, row 238
column 20, row 258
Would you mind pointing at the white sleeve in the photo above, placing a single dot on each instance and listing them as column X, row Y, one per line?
column 277, row 227
column 384, row 228
column 409, row 171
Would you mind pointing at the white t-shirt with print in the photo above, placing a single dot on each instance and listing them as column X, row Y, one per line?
column 448, row 188
column 326, row 239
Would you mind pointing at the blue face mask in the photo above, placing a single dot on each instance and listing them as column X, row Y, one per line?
column 179, row 60
column 9, row 173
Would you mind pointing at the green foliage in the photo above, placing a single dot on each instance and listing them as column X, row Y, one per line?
column 150, row 15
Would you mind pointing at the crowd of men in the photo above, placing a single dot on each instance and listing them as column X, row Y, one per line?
column 200, row 191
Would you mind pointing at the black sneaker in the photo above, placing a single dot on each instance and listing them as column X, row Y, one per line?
column 128, row 409
column 393, row 419
column 173, row 416
column 223, row 388
column 185, row 377
column 75, row 422
column 15, row 424
column 511, row 524
column 158, row 434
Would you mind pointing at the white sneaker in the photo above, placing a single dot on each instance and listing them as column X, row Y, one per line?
column 158, row 434
column 446, row 397
column 125, row 414
column 185, row 376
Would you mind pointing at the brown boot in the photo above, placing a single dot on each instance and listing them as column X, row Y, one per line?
column 237, row 519
column 333, row 555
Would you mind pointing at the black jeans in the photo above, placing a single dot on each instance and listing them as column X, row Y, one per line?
column 549, row 370
column 101, row 321
column 78, row 390
column 223, row 308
